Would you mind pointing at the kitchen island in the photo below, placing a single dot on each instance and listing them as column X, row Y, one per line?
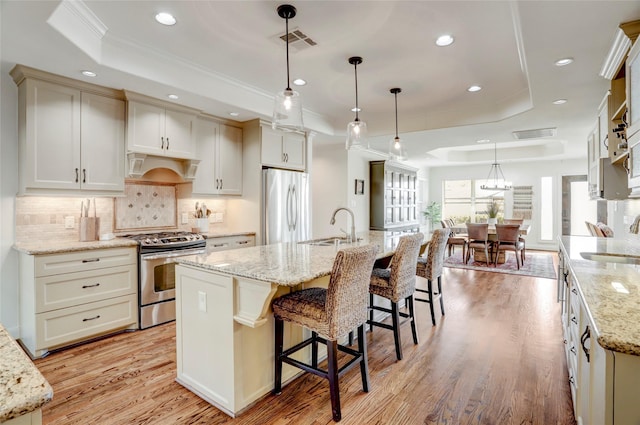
column 599, row 288
column 23, row 389
column 224, row 326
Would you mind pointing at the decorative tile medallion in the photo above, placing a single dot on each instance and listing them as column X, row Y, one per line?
column 145, row 206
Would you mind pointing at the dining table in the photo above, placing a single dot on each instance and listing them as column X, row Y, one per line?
column 460, row 229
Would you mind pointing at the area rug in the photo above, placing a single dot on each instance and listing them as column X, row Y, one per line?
column 538, row 264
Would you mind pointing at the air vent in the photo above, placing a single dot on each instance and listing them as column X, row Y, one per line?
column 298, row 40
column 535, row 134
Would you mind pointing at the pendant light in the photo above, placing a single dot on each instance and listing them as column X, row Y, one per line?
column 396, row 147
column 287, row 110
column 356, row 129
column 495, row 179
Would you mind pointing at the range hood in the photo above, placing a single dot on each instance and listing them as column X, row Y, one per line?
column 140, row 163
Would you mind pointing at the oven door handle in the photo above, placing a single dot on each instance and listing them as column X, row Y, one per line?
column 172, row 254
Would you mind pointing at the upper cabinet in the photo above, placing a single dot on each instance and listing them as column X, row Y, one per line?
column 71, row 134
column 158, row 128
column 219, row 149
column 283, row 149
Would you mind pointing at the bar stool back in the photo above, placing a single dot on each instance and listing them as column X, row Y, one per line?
column 329, row 314
column 430, row 268
column 398, row 282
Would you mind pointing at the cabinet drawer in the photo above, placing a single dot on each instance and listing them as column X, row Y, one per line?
column 62, row 327
column 66, row 290
column 230, row 242
column 46, row 265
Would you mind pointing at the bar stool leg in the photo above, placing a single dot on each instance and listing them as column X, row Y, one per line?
column 440, row 292
column 414, row 331
column 364, row 363
column 314, row 349
column 279, row 332
column 370, row 313
column 395, row 317
column 431, row 307
column 332, row 371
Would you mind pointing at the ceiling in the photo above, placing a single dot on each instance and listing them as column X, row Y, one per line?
column 226, row 56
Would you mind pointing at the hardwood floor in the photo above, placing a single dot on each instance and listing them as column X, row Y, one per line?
column 497, row 357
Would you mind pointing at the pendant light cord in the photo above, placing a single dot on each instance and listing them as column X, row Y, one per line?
column 355, row 66
column 286, row 20
column 396, row 97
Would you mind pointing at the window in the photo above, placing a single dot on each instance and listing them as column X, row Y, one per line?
column 464, row 201
column 546, row 209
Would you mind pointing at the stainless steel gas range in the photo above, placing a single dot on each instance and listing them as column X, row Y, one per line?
column 156, row 272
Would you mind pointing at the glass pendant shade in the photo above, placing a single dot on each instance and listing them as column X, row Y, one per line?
column 397, row 150
column 287, row 111
column 356, row 129
column 396, row 146
column 287, row 108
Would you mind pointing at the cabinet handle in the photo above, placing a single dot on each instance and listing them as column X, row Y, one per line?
column 84, row 175
column 91, row 318
column 287, row 156
column 583, row 340
column 575, row 291
column 243, row 242
column 162, row 146
column 91, row 260
column 90, row 286
column 167, row 143
column 284, row 158
column 221, row 185
column 77, row 176
column 218, row 245
column 564, row 341
column 573, row 350
column 571, row 380
column 574, row 320
column 217, row 183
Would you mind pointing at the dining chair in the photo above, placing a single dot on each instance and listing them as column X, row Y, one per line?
column 329, row 314
column 508, row 240
column 607, row 231
column 397, row 283
column 455, row 239
column 430, row 268
column 478, row 239
column 521, row 238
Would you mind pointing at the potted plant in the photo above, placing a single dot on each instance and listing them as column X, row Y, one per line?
column 492, row 212
column 432, row 213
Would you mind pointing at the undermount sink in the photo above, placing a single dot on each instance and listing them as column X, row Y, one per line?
column 327, row 241
column 610, row 258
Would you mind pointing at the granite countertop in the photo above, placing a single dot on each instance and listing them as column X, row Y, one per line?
column 39, row 247
column 209, row 235
column 23, row 389
column 287, row 264
column 611, row 291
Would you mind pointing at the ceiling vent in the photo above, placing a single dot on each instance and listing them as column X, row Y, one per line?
column 535, row 134
column 298, row 40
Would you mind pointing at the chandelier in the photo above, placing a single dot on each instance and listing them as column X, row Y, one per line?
column 495, row 179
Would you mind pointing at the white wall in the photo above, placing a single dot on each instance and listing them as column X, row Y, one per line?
column 519, row 174
column 329, row 190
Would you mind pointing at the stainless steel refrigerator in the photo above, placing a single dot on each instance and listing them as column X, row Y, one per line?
column 285, row 206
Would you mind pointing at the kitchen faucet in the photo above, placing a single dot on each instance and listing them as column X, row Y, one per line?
column 353, row 221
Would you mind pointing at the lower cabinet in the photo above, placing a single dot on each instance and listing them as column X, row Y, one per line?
column 603, row 382
column 70, row 297
column 230, row 242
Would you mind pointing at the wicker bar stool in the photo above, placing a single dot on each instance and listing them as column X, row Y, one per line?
column 430, row 268
column 329, row 314
column 398, row 282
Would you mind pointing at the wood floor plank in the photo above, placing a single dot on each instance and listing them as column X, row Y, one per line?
column 497, row 357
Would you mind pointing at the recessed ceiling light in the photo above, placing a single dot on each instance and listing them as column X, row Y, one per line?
column 444, row 40
column 474, row 88
column 483, row 141
column 89, row 73
column 165, row 18
column 559, row 101
column 564, row 61
column 356, row 109
column 234, row 114
column 299, row 82
column 172, row 96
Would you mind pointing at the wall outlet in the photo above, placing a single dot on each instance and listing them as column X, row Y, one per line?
column 69, row 222
column 185, row 218
column 202, row 301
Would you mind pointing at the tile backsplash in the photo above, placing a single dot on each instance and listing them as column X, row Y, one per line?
column 43, row 217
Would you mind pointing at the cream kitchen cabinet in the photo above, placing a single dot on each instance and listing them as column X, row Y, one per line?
column 222, row 243
column 71, row 135
column 283, row 149
column 155, row 128
column 70, row 297
column 219, row 149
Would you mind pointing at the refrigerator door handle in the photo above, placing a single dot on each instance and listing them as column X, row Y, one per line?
column 288, row 207
column 295, row 207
